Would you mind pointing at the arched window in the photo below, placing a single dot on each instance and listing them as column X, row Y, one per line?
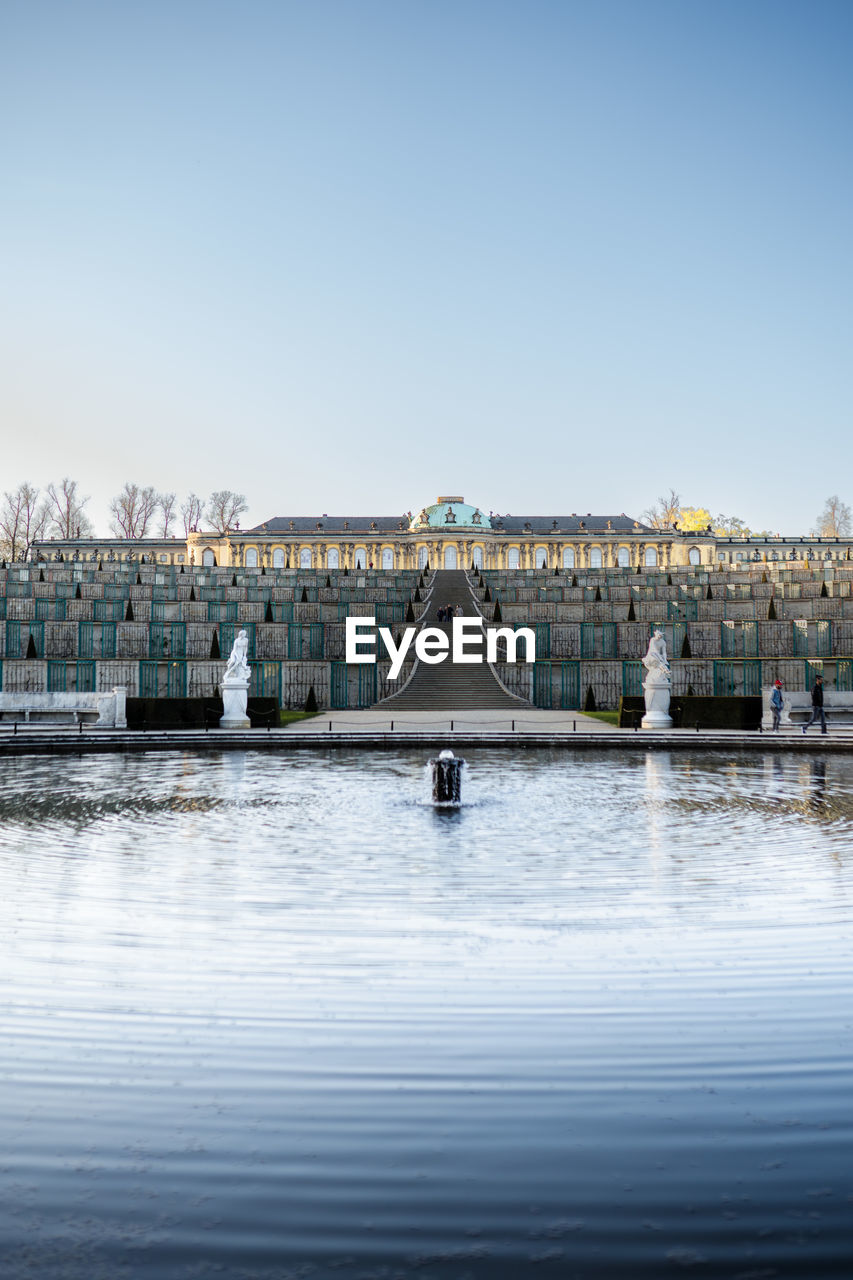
column 278, row 558
column 595, row 557
column 360, row 557
column 828, row 556
column 387, row 558
column 541, row 558
column 623, row 558
column 651, row 557
column 208, row 559
column 512, row 558
column 477, row 557
column 423, row 556
column 568, row 557
column 305, row 558
column 333, row 558
column 774, row 555
column 694, row 556
column 450, row 557
column 251, row 558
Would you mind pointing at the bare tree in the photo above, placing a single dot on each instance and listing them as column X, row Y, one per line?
column 23, row 519
column 133, row 510
column 67, row 517
column 223, row 508
column 166, row 503
column 664, row 513
column 191, row 513
column 835, row 520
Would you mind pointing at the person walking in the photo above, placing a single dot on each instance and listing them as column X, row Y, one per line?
column 817, row 706
column 776, row 705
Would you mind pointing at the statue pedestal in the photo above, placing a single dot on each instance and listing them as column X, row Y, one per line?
column 657, row 705
column 235, row 693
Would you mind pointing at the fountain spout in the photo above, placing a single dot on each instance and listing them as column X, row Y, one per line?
column 447, row 778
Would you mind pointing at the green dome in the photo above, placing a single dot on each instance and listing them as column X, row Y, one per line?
column 451, row 513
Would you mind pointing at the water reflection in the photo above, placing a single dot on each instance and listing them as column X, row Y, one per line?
column 280, row 1017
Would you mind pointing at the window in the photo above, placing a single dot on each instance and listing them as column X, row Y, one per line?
column 477, row 557
column 450, row 557
column 651, row 557
column 541, row 558
column 278, row 558
column 568, row 557
column 305, row 558
column 595, row 558
column 694, row 556
column 423, row 556
column 623, row 558
column 739, row 556
column 721, row 556
column 387, row 558
column 251, row 558
column 774, row 555
column 333, row 558
column 208, row 559
column 360, row 557
column 512, row 558
column 180, row 559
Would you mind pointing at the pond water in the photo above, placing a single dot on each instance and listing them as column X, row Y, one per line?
column 277, row 1018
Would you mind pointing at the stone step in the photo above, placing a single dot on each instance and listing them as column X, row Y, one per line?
column 444, row 686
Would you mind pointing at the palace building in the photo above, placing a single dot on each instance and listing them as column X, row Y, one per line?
column 450, row 534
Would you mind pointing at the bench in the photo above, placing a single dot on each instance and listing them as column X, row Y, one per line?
column 104, row 710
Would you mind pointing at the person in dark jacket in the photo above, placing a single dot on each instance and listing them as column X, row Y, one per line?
column 776, row 705
column 817, row 706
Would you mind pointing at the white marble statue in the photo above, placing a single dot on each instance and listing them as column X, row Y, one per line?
column 235, row 685
column 237, row 666
column 657, row 685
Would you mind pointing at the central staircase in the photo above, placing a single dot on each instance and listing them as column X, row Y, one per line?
column 448, row 686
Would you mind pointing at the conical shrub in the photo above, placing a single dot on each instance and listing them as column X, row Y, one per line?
column 686, row 651
column 589, row 700
column 497, row 616
column 215, row 654
column 268, row 615
column 311, row 700
column 128, row 613
column 771, row 612
column 632, row 616
column 31, row 647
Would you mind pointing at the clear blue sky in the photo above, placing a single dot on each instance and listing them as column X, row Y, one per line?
column 345, row 255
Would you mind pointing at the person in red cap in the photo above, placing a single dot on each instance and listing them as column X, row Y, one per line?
column 776, row 705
